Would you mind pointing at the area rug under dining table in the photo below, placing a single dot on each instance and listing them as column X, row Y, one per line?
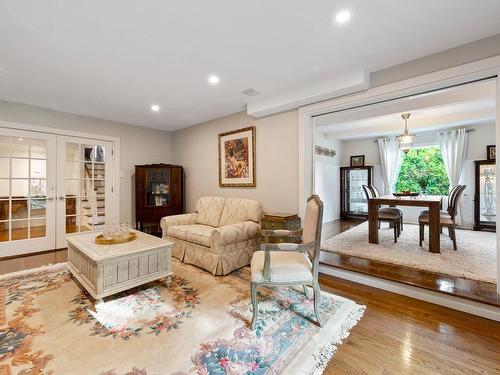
column 198, row 324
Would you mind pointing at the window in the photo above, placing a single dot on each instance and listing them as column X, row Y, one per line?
column 423, row 169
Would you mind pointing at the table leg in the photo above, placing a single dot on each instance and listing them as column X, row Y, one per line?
column 434, row 225
column 372, row 221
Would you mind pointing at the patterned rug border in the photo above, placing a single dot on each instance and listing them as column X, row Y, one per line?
column 49, row 267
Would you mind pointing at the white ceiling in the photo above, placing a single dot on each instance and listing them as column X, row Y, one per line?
column 113, row 59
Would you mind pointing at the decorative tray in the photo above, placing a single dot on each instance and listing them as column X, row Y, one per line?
column 101, row 240
column 406, row 194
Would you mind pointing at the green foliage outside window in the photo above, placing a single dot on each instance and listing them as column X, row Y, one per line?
column 422, row 170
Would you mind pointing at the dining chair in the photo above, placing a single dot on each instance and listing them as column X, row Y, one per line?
column 387, row 214
column 376, row 193
column 447, row 218
column 290, row 264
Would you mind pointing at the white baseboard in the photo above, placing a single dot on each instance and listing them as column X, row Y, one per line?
column 456, row 303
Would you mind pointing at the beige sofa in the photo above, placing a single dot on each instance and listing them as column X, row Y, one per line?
column 220, row 236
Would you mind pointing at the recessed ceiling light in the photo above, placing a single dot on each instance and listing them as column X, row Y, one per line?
column 155, row 107
column 342, row 17
column 213, row 79
column 20, row 139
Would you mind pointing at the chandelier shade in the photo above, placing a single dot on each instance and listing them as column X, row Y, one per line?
column 406, row 139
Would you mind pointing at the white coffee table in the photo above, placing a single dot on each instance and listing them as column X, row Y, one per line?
column 104, row 270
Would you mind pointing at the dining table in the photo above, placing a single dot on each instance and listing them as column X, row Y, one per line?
column 432, row 202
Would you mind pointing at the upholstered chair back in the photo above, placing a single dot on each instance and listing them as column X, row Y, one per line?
column 455, row 199
column 313, row 220
column 368, row 192
column 451, row 194
column 375, row 191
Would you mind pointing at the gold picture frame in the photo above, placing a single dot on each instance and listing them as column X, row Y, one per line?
column 237, row 158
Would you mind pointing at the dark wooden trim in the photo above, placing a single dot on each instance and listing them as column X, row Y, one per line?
column 344, row 184
column 478, row 225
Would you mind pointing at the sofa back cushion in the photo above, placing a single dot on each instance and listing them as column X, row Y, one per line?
column 237, row 210
column 209, row 210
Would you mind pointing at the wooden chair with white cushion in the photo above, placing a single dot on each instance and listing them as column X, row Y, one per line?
column 291, row 264
column 388, row 214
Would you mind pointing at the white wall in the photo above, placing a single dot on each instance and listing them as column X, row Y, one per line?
column 195, row 148
column 482, row 136
column 327, row 177
column 138, row 145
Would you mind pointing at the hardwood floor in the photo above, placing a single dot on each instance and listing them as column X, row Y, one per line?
column 401, row 335
column 460, row 287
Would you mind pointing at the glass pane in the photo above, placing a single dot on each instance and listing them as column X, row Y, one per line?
column 38, row 208
column 99, row 187
column 99, row 171
column 4, row 168
column 38, row 169
column 19, row 230
column 4, row 210
column 19, row 188
column 487, row 193
column 72, row 187
column 86, row 171
column 4, row 189
column 87, row 188
column 72, row 151
column 71, row 225
column 20, row 168
column 38, row 149
column 72, row 206
column 4, row 231
column 88, row 153
column 37, row 228
column 19, row 147
column 4, row 146
column 20, row 209
column 38, row 188
column 99, row 154
column 72, row 169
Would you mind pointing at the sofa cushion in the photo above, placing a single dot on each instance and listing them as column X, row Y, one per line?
column 237, row 210
column 196, row 233
column 209, row 210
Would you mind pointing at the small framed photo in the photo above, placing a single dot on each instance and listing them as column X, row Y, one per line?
column 358, row 161
column 491, row 152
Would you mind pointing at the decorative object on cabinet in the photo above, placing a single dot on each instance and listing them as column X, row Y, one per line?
column 353, row 201
column 491, row 152
column 237, row 158
column 485, row 195
column 159, row 192
column 278, row 220
column 358, row 161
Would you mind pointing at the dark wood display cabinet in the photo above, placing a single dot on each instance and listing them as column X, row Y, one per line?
column 485, row 196
column 159, row 192
column 353, row 201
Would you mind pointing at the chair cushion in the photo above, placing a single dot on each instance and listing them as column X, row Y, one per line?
column 237, row 210
column 391, row 209
column 197, row 233
column 209, row 210
column 426, row 212
column 285, row 266
column 445, row 219
column 388, row 215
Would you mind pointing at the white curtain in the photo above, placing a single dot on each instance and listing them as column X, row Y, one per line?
column 390, row 160
column 453, row 145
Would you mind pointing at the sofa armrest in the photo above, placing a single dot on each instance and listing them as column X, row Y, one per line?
column 184, row 219
column 233, row 233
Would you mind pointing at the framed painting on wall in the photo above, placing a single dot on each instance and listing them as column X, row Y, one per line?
column 237, row 158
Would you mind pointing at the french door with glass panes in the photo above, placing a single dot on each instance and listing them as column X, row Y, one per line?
column 27, row 192
column 84, row 186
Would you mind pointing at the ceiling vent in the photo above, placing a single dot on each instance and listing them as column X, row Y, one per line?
column 250, row 92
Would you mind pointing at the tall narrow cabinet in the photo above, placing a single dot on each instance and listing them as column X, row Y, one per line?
column 159, row 192
column 485, row 208
column 353, row 202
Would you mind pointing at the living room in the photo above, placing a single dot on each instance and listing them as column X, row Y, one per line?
column 160, row 208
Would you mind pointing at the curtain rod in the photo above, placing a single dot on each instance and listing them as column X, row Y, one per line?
column 388, row 138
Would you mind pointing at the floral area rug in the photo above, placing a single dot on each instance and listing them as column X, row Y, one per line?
column 197, row 324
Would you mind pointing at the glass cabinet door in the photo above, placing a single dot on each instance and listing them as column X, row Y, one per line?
column 487, row 193
column 158, row 187
column 356, row 197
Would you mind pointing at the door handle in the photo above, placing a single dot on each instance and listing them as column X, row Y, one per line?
column 62, row 198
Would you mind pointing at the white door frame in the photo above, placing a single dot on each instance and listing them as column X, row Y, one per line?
column 99, row 137
column 465, row 73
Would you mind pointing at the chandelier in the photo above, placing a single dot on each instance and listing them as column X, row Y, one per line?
column 406, row 139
